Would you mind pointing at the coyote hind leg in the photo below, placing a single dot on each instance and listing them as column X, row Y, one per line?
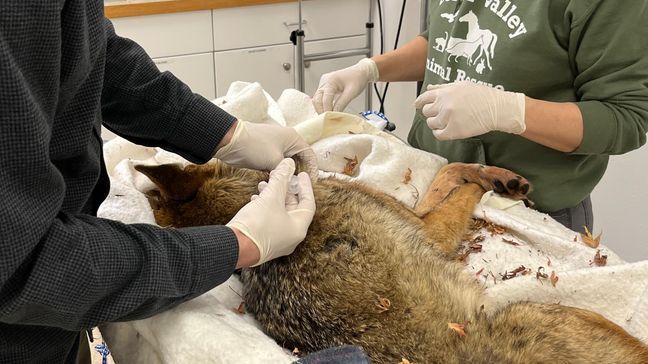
column 447, row 206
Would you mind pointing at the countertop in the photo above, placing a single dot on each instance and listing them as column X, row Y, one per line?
column 118, row 9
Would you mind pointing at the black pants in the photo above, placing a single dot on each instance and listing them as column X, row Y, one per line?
column 576, row 217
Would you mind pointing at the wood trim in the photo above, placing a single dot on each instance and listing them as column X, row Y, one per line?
column 143, row 7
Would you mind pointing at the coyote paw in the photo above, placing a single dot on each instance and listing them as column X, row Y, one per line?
column 502, row 181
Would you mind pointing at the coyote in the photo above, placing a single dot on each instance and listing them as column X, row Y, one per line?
column 374, row 273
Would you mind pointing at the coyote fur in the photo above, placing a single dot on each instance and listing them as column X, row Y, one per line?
column 374, row 273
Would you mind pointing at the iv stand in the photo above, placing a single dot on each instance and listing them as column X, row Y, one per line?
column 297, row 37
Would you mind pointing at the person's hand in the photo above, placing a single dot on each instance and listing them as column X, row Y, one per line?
column 275, row 220
column 337, row 89
column 466, row 109
column 263, row 146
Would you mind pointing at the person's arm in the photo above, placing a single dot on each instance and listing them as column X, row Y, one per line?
column 406, row 63
column 154, row 108
column 557, row 125
column 611, row 83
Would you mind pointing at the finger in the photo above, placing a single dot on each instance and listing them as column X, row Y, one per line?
column 427, row 97
column 317, row 101
column 262, row 186
column 327, row 100
column 436, row 123
column 306, row 196
column 342, row 101
column 430, row 110
column 279, row 179
column 442, row 134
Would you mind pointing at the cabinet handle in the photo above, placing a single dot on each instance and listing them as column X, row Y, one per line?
column 287, row 66
column 288, row 25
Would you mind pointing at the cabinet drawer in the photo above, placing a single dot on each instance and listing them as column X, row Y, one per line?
column 260, row 25
column 271, row 66
column 197, row 71
column 165, row 35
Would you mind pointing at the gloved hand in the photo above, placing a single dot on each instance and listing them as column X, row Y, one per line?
column 273, row 227
column 465, row 109
column 337, row 89
column 263, row 146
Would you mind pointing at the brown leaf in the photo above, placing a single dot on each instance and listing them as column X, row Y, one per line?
column 241, row 308
column 350, row 166
column 599, row 260
column 460, row 329
column 383, row 304
column 512, row 242
column 540, row 274
column 408, row 176
column 553, row 278
column 590, row 240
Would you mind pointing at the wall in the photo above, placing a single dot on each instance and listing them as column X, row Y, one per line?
column 621, row 198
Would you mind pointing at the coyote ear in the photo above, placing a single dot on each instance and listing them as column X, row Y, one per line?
column 176, row 183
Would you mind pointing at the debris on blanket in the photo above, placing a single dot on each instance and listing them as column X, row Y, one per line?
column 240, row 309
column 590, row 240
column 349, row 168
column 408, row 176
column 599, row 259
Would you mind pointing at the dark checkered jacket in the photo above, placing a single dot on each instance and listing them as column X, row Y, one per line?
column 64, row 72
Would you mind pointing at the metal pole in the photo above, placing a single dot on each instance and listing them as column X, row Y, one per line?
column 369, row 26
column 300, row 52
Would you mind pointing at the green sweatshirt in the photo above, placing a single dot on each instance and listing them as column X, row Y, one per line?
column 591, row 52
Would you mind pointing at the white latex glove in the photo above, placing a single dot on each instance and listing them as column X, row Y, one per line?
column 263, row 146
column 274, row 228
column 337, row 89
column 465, row 109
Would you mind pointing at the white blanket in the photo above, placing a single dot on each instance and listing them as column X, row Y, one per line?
column 209, row 328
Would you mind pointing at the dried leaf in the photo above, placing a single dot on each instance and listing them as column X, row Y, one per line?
column 590, row 240
column 599, row 260
column 553, row 278
column 240, row 309
column 512, row 242
column 512, row 274
column 460, row 329
column 408, row 176
column 540, row 274
column 479, row 271
column 350, row 166
column 383, row 304
column 475, row 247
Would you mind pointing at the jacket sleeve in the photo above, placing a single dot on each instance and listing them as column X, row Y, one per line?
column 607, row 49
column 67, row 270
column 154, row 108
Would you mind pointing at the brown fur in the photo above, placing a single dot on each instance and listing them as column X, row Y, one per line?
column 363, row 247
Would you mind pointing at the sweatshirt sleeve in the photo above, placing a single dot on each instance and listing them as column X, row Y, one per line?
column 607, row 50
column 68, row 269
column 154, row 108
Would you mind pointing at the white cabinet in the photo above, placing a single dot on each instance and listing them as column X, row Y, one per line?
column 210, row 49
column 271, row 66
column 166, row 35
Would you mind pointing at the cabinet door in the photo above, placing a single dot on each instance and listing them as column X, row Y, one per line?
column 197, row 71
column 314, row 70
column 271, row 66
column 165, row 35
